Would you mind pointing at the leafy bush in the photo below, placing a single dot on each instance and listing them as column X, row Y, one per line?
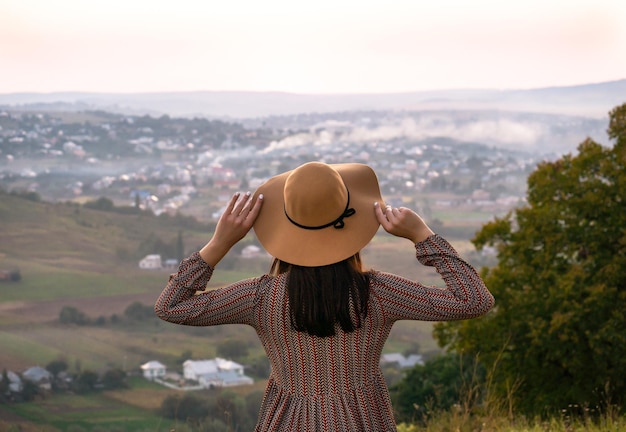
column 71, row 315
column 442, row 383
column 139, row 312
column 232, row 349
column 188, row 406
column 554, row 334
column 114, row 379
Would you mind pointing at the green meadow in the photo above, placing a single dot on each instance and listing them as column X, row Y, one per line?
column 71, row 256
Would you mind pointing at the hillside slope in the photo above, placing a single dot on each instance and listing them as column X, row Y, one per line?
column 68, row 235
column 71, row 256
column 593, row 100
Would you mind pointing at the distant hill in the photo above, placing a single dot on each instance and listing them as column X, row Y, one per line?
column 591, row 100
column 72, row 236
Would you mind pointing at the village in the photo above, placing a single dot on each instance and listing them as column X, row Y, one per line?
column 193, row 166
column 195, row 375
column 219, row 372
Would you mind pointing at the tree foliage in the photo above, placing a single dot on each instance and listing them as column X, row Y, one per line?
column 180, row 246
column 114, row 379
column 72, row 315
column 137, row 311
column 30, row 390
column 102, row 203
column 4, row 384
column 188, row 407
column 56, row 366
column 85, row 381
column 232, row 348
column 231, row 409
column 438, row 385
column 218, row 410
column 556, row 336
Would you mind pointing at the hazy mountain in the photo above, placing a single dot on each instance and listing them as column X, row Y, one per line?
column 591, row 100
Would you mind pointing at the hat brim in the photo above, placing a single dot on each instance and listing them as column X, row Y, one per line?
column 287, row 242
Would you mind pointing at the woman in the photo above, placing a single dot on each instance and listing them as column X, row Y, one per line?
column 321, row 318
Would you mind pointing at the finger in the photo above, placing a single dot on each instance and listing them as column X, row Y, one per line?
column 378, row 211
column 246, row 203
column 256, row 208
column 382, row 216
column 392, row 213
column 231, row 203
column 241, row 204
column 251, row 209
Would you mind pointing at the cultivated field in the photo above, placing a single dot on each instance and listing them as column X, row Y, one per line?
column 69, row 256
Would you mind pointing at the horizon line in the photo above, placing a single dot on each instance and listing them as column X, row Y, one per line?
column 285, row 92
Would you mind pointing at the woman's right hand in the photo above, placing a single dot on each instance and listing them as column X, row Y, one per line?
column 232, row 226
column 402, row 222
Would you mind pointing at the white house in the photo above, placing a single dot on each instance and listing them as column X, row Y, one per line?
column 153, row 369
column 40, row 376
column 15, row 383
column 150, row 262
column 171, row 263
column 224, row 379
column 215, row 373
column 251, row 251
column 401, row 361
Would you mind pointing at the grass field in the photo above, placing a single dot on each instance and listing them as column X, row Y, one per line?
column 70, row 256
column 64, row 412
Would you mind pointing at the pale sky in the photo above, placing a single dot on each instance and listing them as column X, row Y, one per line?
column 322, row 46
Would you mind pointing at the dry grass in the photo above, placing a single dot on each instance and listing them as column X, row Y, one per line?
column 459, row 422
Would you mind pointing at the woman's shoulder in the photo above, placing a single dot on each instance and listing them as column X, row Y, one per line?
column 265, row 282
column 380, row 280
column 259, row 281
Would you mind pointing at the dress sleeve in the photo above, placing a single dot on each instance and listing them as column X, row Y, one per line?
column 180, row 303
column 465, row 295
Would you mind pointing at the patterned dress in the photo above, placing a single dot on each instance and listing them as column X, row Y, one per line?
column 326, row 383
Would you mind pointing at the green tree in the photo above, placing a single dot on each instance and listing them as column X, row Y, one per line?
column 85, row 381
column 556, row 336
column 71, row 315
column 114, row 379
column 259, row 367
column 231, row 409
column 184, row 356
column 253, row 403
column 441, row 383
column 4, row 384
column 31, row 196
column 153, row 244
column 15, row 276
column 137, row 311
column 180, row 246
column 232, row 348
column 102, row 203
column 188, row 407
column 56, row 366
column 30, row 390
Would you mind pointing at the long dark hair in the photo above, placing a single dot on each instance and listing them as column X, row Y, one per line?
column 321, row 297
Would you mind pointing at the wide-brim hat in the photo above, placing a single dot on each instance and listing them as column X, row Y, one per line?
column 318, row 214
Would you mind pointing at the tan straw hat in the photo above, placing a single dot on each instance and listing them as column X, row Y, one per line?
column 318, row 214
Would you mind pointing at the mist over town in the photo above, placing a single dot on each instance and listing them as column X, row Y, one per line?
column 440, row 158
